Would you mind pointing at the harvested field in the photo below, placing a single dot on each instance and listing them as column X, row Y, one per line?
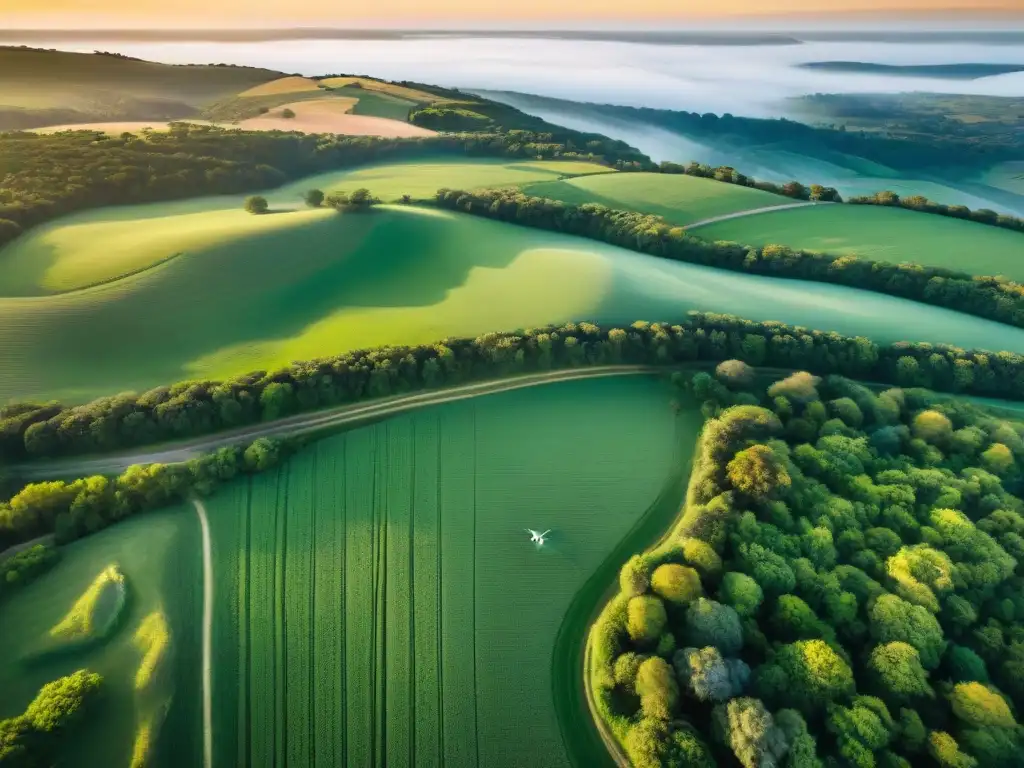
column 332, row 115
column 292, row 84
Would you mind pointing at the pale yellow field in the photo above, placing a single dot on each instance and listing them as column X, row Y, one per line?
column 374, row 85
column 283, row 85
column 331, row 116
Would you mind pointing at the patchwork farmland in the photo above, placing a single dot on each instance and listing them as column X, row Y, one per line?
column 378, row 601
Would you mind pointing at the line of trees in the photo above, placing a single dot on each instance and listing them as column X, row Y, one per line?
column 35, row 737
column 843, row 587
column 51, row 175
column 994, row 298
column 192, row 408
column 23, row 567
column 729, row 175
column 924, row 205
column 72, row 509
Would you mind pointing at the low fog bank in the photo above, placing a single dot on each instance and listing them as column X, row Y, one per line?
column 744, row 80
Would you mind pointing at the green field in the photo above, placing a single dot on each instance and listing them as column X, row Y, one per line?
column 680, row 199
column 883, row 234
column 96, row 246
column 378, row 601
column 160, row 558
column 377, row 104
column 319, row 284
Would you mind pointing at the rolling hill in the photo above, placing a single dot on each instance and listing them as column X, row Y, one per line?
column 319, row 283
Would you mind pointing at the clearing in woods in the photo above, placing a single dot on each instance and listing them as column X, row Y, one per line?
column 378, row 601
column 679, row 199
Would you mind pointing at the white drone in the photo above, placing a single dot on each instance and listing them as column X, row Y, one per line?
column 537, row 538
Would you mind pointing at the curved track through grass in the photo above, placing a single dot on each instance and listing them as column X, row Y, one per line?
column 589, row 745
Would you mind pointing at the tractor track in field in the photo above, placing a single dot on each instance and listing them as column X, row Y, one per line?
column 754, row 212
column 311, row 422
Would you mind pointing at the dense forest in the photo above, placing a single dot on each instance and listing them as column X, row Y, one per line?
column 842, row 588
column 995, row 298
column 953, row 119
column 46, row 176
column 907, row 151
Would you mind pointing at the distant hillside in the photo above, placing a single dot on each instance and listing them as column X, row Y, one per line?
column 939, row 71
column 44, row 87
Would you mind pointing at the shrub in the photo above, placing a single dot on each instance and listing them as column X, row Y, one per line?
column 676, row 583
column 657, row 688
column 980, row 706
column 314, row 198
column 735, row 373
column 287, row 113
column 634, row 578
column 757, row 473
column 711, row 623
column 741, row 592
column 256, row 204
column 702, row 557
column 897, row 668
column 816, row 673
column 625, row 670
column 932, row 426
column 646, row 619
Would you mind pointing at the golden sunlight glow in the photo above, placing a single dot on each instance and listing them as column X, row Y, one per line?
column 395, row 12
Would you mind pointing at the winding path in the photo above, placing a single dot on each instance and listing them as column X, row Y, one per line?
column 207, row 668
column 754, row 212
column 311, row 422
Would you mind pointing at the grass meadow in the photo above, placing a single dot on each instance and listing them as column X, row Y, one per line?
column 159, row 557
column 319, row 283
column 378, row 601
column 679, row 199
column 882, row 234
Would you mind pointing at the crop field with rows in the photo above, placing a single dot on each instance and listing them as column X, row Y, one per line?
column 378, row 601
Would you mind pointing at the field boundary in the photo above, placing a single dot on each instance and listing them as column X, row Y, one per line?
column 305, row 424
column 666, row 507
column 754, row 212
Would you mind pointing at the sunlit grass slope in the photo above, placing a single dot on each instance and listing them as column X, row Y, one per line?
column 680, row 199
column 883, row 234
column 95, row 613
column 423, row 179
column 159, row 556
column 323, row 283
column 378, row 601
column 97, row 246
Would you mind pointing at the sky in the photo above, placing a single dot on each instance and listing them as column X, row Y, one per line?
column 190, row 13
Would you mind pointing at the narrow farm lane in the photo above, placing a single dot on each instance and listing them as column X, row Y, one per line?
column 207, row 631
column 310, row 422
column 752, row 212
